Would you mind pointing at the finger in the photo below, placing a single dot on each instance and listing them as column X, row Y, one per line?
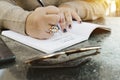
column 63, row 23
column 45, row 34
column 76, row 16
column 68, row 18
column 52, row 19
column 43, row 28
column 52, row 10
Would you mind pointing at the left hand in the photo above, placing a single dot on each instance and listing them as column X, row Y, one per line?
column 67, row 15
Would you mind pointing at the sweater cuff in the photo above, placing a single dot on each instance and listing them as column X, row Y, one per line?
column 22, row 25
column 13, row 17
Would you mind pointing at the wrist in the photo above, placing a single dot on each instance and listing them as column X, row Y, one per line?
column 67, row 6
column 27, row 23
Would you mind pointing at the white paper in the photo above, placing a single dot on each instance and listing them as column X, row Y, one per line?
column 60, row 40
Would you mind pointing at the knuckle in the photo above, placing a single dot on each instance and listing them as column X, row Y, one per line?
column 63, row 24
column 53, row 8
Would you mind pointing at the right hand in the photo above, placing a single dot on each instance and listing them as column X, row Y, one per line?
column 40, row 21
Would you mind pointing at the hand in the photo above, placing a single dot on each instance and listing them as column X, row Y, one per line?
column 40, row 21
column 67, row 15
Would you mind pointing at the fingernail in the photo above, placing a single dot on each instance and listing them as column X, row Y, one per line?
column 64, row 30
column 80, row 21
column 70, row 26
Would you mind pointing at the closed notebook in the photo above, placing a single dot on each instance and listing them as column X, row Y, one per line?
column 79, row 32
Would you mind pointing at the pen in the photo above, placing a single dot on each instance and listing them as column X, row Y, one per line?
column 68, row 52
column 41, row 2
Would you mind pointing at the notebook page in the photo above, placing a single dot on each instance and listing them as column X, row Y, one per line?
column 60, row 40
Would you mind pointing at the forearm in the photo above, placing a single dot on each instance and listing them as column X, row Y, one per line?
column 88, row 10
column 12, row 17
column 28, row 4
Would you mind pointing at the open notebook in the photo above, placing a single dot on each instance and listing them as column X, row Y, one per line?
column 79, row 32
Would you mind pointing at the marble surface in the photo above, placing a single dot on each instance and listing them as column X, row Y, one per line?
column 105, row 66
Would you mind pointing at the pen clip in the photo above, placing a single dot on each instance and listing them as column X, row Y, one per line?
column 81, row 50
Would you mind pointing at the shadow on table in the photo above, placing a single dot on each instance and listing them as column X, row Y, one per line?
column 89, row 71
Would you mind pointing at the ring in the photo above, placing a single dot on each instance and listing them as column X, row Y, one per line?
column 53, row 29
